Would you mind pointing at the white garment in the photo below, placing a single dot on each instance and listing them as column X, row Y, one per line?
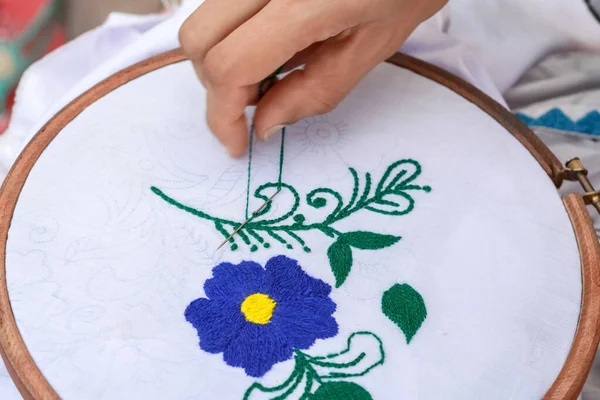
column 480, row 41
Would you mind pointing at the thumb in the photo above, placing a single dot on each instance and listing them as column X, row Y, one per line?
column 330, row 73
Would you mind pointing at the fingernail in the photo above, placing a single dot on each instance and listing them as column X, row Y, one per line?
column 272, row 131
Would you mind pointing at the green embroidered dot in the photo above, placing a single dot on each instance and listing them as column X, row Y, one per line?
column 427, row 188
column 253, row 248
column 289, row 246
column 307, row 249
column 320, row 202
column 234, row 247
column 341, row 391
column 299, row 218
column 266, row 245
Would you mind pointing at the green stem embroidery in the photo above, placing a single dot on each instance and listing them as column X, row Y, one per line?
column 393, row 195
column 305, row 369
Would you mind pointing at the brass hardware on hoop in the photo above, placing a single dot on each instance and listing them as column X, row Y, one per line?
column 576, row 171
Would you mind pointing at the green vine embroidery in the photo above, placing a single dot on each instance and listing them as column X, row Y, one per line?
column 392, row 195
column 332, row 385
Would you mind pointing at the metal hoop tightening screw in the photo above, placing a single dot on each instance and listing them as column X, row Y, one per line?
column 576, row 170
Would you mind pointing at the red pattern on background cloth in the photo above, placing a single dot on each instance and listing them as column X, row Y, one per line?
column 17, row 16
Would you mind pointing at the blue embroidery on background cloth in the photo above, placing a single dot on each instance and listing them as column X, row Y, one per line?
column 258, row 316
column 555, row 118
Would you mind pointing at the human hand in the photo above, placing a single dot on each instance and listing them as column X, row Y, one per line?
column 234, row 45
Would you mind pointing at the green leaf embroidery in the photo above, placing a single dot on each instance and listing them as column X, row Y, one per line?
column 405, row 307
column 341, row 391
column 369, row 240
column 340, row 260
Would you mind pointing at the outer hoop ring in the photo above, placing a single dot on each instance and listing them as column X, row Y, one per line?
column 33, row 385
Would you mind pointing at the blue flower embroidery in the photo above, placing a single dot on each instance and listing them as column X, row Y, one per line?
column 257, row 316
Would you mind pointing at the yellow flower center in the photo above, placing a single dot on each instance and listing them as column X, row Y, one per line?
column 258, row 308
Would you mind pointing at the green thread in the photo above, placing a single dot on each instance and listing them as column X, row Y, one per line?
column 341, row 391
column 354, row 191
column 307, row 388
column 261, row 91
column 392, row 196
column 244, row 237
column 336, row 365
column 256, row 236
column 348, row 348
column 258, row 194
column 368, row 240
column 277, row 237
column 297, row 370
column 285, row 394
column 331, row 386
column 405, row 307
column 250, row 146
column 281, row 151
column 340, row 261
column 222, row 230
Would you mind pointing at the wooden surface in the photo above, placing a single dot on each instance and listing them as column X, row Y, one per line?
column 32, row 384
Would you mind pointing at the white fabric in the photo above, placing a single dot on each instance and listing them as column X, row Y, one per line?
column 107, row 268
column 447, row 41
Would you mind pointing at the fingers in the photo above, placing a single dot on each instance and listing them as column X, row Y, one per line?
column 236, row 44
column 225, row 115
column 210, row 23
column 273, row 36
column 331, row 72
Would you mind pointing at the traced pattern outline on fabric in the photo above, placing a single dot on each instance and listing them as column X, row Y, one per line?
column 321, row 136
column 392, row 195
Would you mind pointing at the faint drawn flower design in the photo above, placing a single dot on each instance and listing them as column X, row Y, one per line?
column 322, row 135
column 321, row 139
column 258, row 317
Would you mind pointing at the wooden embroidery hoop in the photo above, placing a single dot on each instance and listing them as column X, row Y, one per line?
column 569, row 383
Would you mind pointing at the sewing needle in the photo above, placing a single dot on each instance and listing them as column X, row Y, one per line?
column 248, row 220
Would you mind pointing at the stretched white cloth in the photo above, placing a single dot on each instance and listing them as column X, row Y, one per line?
column 444, row 40
column 440, row 261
